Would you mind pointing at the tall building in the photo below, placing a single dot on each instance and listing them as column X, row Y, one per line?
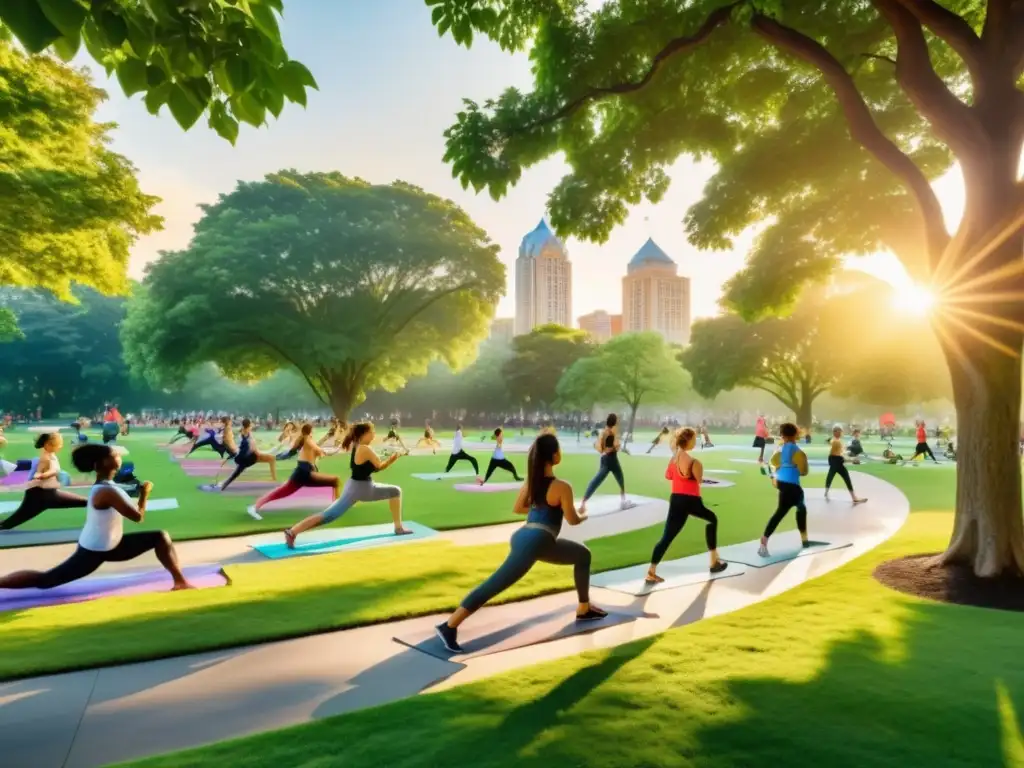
column 543, row 281
column 655, row 297
column 502, row 330
column 600, row 325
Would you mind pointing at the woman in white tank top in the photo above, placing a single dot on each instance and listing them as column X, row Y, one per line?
column 103, row 538
column 498, row 459
column 42, row 492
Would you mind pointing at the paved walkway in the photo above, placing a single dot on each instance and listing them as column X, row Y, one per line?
column 95, row 717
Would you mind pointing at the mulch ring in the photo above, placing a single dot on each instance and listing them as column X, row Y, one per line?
column 923, row 576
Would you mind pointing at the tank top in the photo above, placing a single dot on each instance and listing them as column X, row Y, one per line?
column 499, row 452
column 457, row 441
column 50, row 482
column 544, row 515
column 360, row 472
column 103, row 528
column 922, row 436
column 837, row 447
column 609, row 441
column 687, row 486
column 244, row 445
column 762, row 429
column 788, row 471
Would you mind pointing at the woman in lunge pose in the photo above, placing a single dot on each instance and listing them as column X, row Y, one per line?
column 43, row 489
column 460, row 455
column 247, row 455
column 103, row 539
column 837, row 466
column 394, row 437
column 923, row 449
column 686, row 474
column 790, row 465
column 304, row 475
column 428, row 438
column 546, row 501
column 609, row 446
column 658, row 438
column 498, row 459
column 214, row 440
column 363, row 462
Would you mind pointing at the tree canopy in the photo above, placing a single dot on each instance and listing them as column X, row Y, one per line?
column 539, row 358
column 220, row 57
column 70, row 209
column 354, row 285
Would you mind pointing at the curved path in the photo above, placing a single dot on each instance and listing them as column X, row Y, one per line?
column 96, row 717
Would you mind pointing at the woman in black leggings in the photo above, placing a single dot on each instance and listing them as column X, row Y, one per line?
column 43, row 491
column 609, row 446
column 103, row 539
column 837, row 466
column 686, row 474
column 498, row 460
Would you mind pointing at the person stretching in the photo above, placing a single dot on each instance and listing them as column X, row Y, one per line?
column 363, row 462
column 394, row 437
column 498, row 459
column 183, row 432
column 705, row 437
column 428, row 438
column 305, row 474
column 546, row 501
column 460, row 455
column 287, row 439
column 212, row 440
column 760, row 437
column 657, row 440
column 43, row 490
column 923, row 449
column 103, row 539
column 686, row 474
column 247, row 455
column 837, row 466
column 608, row 445
column 790, row 465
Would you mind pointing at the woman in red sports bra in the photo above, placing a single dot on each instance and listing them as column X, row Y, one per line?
column 686, row 474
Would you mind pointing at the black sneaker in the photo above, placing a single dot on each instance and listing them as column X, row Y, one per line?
column 720, row 566
column 592, row 614
column 448, row 637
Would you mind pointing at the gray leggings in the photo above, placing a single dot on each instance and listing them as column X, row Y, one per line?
column 356, row 491
column 528, row 546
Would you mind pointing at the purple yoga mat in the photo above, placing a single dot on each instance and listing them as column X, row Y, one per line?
column 93, row 588
column 242, row 487
column 15, row 478
column 489, row 487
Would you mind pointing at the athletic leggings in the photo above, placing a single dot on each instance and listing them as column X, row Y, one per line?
column 207, row 441
column 304, row 475
column 181, row 433
column 790, row 495
column 609, row 466
column 836, row 466
column 85, row 561
column 681, row 507
column 527, row 547
column 462, row 456
column 38, row 500
column 923, row 449
column 501, row 464
column 242, row 463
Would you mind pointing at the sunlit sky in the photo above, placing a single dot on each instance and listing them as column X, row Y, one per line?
column 389, row 86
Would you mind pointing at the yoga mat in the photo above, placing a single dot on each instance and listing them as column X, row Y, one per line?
column 93, row 588
column 608, row 504
column 322, row 542
column 783, row 547
column 20, row 538
column 708, row 482
column 213, row 470
column 304, row 498
column 482, row 639
column 721, row 471
column 676, row 573
column 244, row 487
column 16, row 478
column 488, row 488
column 153, row 505
column 810, row 462
column 441, row 475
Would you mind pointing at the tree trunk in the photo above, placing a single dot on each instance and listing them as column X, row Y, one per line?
column 633, row 408
column 804, row 414
column 342, row 398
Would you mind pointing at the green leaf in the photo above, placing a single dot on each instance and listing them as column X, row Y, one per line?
column 220, row 78
column 156, row 97
column 141, row 36
column 113, row 27
column 248, row 109
column 155, row 76
column 436, row 15
column 184, row 105
column 29, row 24
column 265, row 20
column 274, row 100
column 224, row 124
column 67, row 47
column 298, row 72
column 240, row 74
column 287, row 81
column 67, row 15
column 131, row 73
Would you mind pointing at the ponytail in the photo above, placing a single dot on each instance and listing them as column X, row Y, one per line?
column 542, row 453
column 355, row 432
column 306, row 431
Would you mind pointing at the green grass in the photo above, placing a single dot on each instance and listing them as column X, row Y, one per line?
column 839, row 671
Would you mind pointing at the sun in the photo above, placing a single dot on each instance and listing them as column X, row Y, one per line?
column 916, row 300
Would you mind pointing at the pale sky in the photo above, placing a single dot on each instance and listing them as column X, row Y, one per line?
column 389, row 86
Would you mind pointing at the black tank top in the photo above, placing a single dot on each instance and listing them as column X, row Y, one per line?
column 360, row 472
column 543, row 513
column 609, row 441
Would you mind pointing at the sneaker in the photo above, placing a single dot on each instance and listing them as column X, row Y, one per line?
column 254, row 514
column 762, row 551
column 592, row 614
column 448, row 637
column 721, row 565
column 859, row 501
column 627, row 504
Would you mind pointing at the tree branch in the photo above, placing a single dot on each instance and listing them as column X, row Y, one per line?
column 275, row 348
column 953, row 30
column 862, row 125
column 879, row 57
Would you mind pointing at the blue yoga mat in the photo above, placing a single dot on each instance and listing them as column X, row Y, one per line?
column 323, row 542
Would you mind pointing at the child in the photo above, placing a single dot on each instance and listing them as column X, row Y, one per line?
column 790, row 465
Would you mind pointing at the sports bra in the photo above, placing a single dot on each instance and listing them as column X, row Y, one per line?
column 360, row 472
column 544, row 515
column 609, row 441
column 687, row 486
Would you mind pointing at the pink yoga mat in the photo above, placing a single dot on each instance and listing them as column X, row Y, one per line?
column 304, row 498
column 16, row 478
column 489, row 487
column 212, row 470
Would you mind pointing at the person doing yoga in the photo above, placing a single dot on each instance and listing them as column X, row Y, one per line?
column 498, row 459
column 428, row 438
column 247, row 455
column 305, row 474
column 286, row 442
column 43, row 489
column 460, row 455
column 922, row 448
column 394, row 437
column 790, row 465
column 213, row 440
column 837, row 466
column 103, row 539
column 658, row 438
column 363, row 462
column 546, row 501
column 608, row 446
column 686, row 474
column 705, row 438
column 761, row 437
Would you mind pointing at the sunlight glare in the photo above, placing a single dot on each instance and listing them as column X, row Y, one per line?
column 914, row 300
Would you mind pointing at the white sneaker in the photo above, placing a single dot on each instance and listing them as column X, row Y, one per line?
column 763, row 551
column 627, row 504
column 254, row 514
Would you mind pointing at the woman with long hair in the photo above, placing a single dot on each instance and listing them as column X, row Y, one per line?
column 686, row 474
column 305, row 474
column 43, row 489
column 608, row 446
column 363, row 462
column 248, row 455
column 546, row 501
column 498, row 460
column 428, row 438
column 103, row 539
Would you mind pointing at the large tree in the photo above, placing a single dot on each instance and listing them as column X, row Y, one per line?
column 354, row 285
column 539, row 358
column 221, row 57
column 625, row 89
column 630, row 369
column 70, row 209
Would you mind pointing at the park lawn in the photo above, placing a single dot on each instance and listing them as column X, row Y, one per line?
column 840, row 671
